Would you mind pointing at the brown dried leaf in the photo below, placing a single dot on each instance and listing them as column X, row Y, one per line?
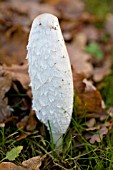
column 5, row 84
column 92, row 97
column 87, row 97
column 91, row 122
column 23, row 12
column 33, row 163
column 33, row 8
column 10, row 166
column 28, row 122
column 68, row 29
column 80, row 40
column 67, row 25
column 92, row 101
column 22, row 124
column 89, row 85
column 80, row 60
column 20, row 16
column 103, row 116
column 32, row 121
column 29, row 93
column 98, row 137
column 91, row 33
column 5, row 110
column 13, row 45
column 93, row 128
column 70, row 9
column 79, row 86
column 25, row 105
column 19, row 73
column 107, row 124
column 100, row 72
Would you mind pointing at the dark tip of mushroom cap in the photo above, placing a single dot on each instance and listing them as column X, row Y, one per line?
column 46, row 19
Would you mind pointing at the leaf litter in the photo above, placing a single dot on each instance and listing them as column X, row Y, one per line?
column 33, row 163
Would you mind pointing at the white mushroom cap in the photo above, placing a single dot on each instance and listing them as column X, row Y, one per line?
column 50, row 74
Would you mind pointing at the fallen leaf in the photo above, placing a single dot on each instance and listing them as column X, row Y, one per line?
column 103, row 116
column 89, row 85
column 32, row 121
column 14, row 153
column 94, row 94
column 23, row 12
column 70, row 9
column 91, row 33
column 100, row 72
column 5, row 110
column 30, row 164
column 29, row 93
column 98, row 137
column 13, row 45
column 80, row 60
column 68, row 29
column 91, row 123
column 33, row 8
column 78, row 78
column 28, row 122
column 93, row 128
column 10, row 166
column 92, row 101
column 98, row 127
column 19, row 73
column 33, row 163
column 20, row 17
column 80, row 40
column 109, row 125
column 22, row 124
column 88, row 98
column 5, row 84
column 25, row 105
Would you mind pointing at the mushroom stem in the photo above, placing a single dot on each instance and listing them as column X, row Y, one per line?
column 57, row 140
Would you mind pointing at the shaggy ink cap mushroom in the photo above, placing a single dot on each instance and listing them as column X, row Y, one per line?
column 50, row 75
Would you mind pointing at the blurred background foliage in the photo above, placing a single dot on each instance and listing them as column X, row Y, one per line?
column 99, row 8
